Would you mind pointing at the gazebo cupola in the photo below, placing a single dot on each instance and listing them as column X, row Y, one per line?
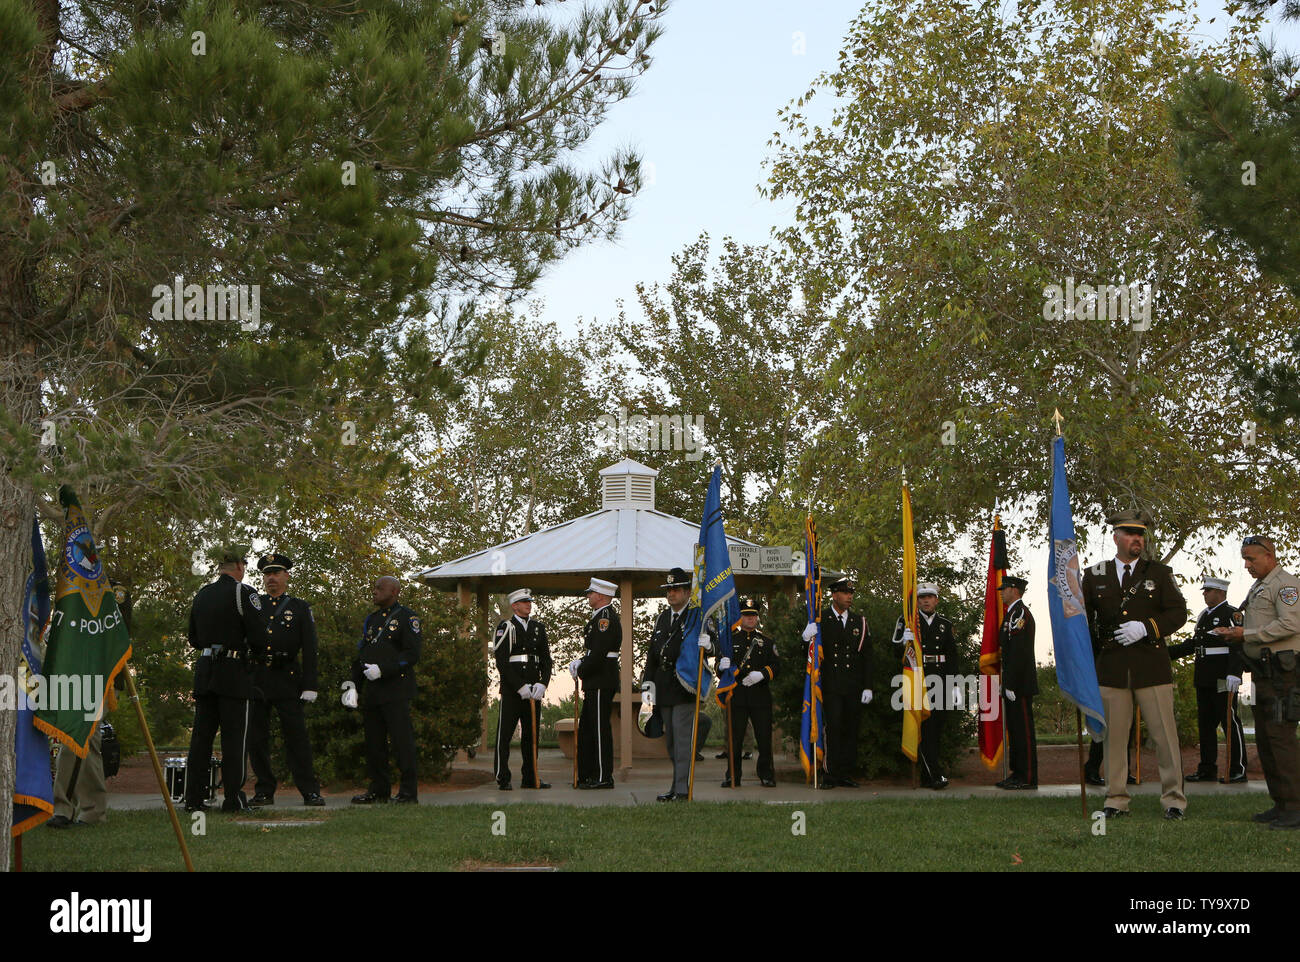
column 628, row 484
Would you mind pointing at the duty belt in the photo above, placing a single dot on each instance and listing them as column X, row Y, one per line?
column 611, row 654
column 220, row 651
column 524, row 659
column 281, row 659
column 933, row 659
column 1218, row 650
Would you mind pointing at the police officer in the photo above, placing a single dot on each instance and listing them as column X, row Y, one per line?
column 938, row 654
column 384, row 671
column 1019, row 685
column 1269, row 631
column 756, row 662
column 1216, row 674
column 228, row 629
column 846, row 674
column 597, row 669
column 279, row 682
column 1133, row 605
column 523, row 659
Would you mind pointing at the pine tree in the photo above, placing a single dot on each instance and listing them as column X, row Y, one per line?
column 358, row 173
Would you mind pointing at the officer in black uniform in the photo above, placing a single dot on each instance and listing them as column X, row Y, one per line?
column 1019, row 685
column 1217, row 676
column 597, row 669
column 228, row 629
column 279, row 682
column 384, row 671
column 676, row 705
column 938, row 655
column 756, row 661
column 523, row 658
column 846, row 674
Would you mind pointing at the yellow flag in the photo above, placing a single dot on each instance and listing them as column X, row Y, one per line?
column 915, row 710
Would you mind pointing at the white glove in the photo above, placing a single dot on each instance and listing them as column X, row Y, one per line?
column 648, row 688
column 308, row 696
column 907, row 636
column 349, row 695
column 1130, row 632
column 573, row 668
column 705, row 643
column 371, row 672
column 866, row 696
column 810, row 632
column 1233, row 683
column 1011, row 695
column 753, row 678
column 539, row 691
column 724, row 663
column 526, row 691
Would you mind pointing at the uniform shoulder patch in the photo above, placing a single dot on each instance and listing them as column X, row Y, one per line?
column 415, row 624
column 1289, row 595
column 603, row 624
column 254, row 600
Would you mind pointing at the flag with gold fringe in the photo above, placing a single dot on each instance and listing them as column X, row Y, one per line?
column 915, row 709
column 812, row 731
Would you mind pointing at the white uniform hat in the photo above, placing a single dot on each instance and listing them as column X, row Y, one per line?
column 523, row 594
column 927, row 589
column 1219, row 583
column 604, row 587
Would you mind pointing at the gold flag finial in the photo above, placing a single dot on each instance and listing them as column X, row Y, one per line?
column 1056, row 416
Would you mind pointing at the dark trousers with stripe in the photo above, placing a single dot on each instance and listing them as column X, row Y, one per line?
column 931, row 728
column 293, row 725
column 515, row 711
column 760, row 715
column 1211, row 715
column 841, row 713
column 230, row 716
column 1021, row 741
column 596, row 737
column 382, row 722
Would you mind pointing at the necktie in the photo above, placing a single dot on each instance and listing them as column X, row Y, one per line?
column 1123, row 585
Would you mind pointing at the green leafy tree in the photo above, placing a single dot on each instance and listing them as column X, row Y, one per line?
column 975, row 157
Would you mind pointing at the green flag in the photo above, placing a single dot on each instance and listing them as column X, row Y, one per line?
column 88, row 642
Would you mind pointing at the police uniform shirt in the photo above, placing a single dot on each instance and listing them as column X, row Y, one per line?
column 1271, row 614
column 390, row 640
column 228, row 628
column 1019, row 673
column 602, row 639
column 846, row 652
column 290, row 631
column 1153, row 600
column 1210, row 669
column 754, row 651
column 522, row 653
column 661, row 659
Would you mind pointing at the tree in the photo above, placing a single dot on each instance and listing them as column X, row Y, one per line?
column 974, row 160
column 329, row 184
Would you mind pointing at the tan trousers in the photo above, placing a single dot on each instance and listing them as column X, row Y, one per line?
column 90, row 802
column 1157, row 704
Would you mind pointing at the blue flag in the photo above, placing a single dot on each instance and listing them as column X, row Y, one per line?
column 1076, row 672
column 33, row 787
column 730, row 621
column 713, row 585
column 812, row 731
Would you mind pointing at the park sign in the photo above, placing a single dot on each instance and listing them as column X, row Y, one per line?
column 88, row 641
column 753, row 559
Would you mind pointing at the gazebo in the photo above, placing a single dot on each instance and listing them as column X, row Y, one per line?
column 627, row 542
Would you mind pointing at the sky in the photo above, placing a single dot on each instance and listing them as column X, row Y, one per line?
column 701, row 118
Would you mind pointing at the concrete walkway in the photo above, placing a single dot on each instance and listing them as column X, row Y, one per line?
column 653, row 776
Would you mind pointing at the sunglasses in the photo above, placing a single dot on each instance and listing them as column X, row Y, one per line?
column 1254, row 539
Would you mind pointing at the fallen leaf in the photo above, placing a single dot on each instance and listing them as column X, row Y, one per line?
column 1016, row 859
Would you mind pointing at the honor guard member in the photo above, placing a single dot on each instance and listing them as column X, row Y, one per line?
column 228, row 629
column 938, row 654
column 384, row 672
column 280, row 682
column 846, row 674
column 1133, row 605
column 1019, row 685
column 676, row 705
column 597, row 670
column 1216, row 674
column 523, row 659
column 756, row 663
column 1269, row 631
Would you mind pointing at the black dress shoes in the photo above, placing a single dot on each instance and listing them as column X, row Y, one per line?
column 1132, row 780
column 259, row 800
column 1203, row 777
column 1092, row 778
column 726, row 783
column 767, row 782
column 236, row 804
column 538, row 785
column 607, row 783
column 370, row 798
column 503, row 786
column 1284, row 820
column 1174, row 815
column 402, row 798
column 314, row 800
column 1272, row 815
column 1234, row 780
column 720, row 755
column 59, row 821
column 939, row 784
column 668, row 797
column 846, row 782
column 1114, row 812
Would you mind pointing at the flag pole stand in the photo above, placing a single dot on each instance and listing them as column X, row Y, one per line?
column 577, row 718
column 157, row 768
column 695, row 723
column 1137, row 743
column 1083, row 782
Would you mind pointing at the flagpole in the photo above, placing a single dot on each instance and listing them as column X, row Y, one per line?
column 1083, row 781
column 537, row 775
column 695, row 723
column 731, row 755
column 1137, row 742
column 1227, row 743
column 157, row 767
column 577, row 716
column 18, row 854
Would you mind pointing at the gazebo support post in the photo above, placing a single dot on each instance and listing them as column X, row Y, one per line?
column 626, row 716
column 481, row 622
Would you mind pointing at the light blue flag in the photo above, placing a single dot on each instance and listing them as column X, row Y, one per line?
column 1076, row 672
column 713, row 585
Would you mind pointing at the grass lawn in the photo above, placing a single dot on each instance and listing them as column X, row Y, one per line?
column 881, row 835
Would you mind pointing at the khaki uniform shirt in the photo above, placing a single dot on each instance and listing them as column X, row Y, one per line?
column 1271, row 614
